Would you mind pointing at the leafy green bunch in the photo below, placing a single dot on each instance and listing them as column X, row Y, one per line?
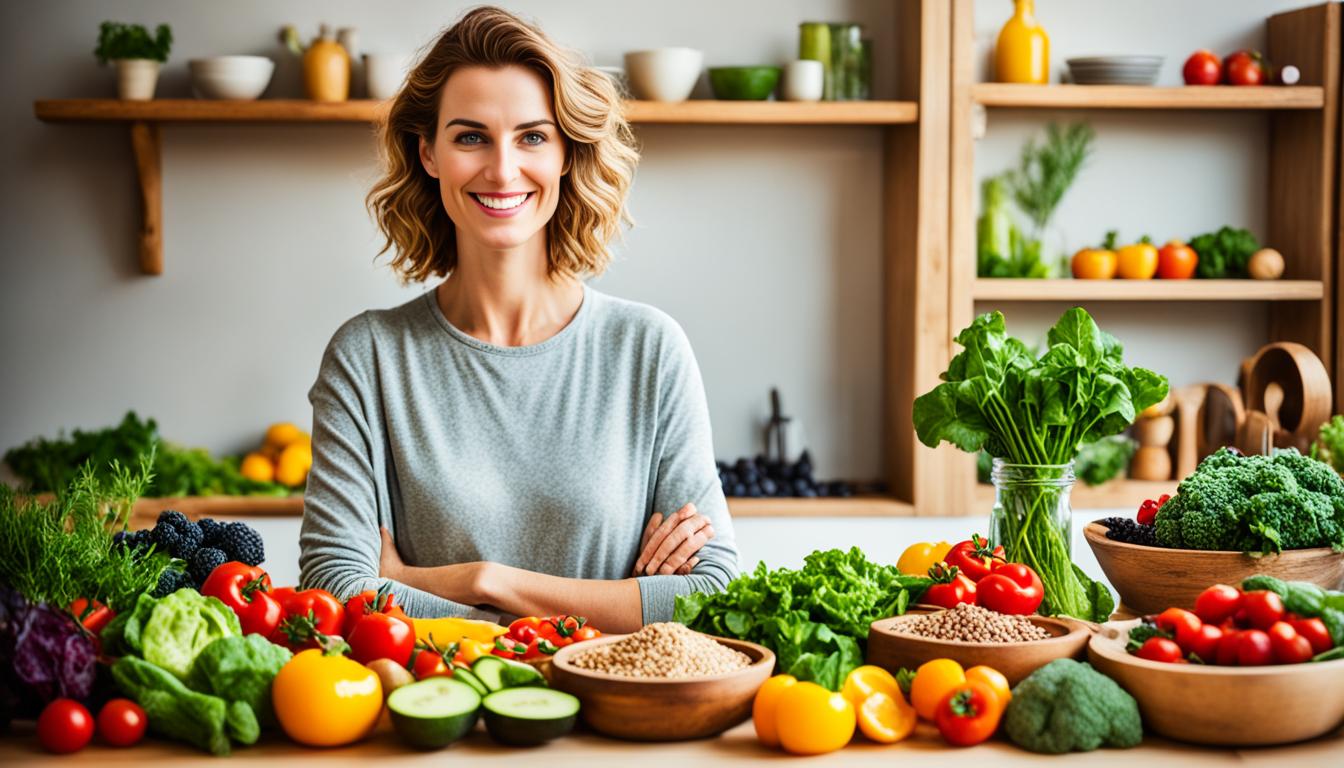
column 815, row 619
column 132, row 41
column 1329, row 444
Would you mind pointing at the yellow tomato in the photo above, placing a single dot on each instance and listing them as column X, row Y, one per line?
column 992, row 679
column 813, row 720
column 1137, row 261
column 917, row 559
column 326, row 701
column 933, row 680
column 1093, row 264
column 866, row 680
column 765, row 708
column 886, row 719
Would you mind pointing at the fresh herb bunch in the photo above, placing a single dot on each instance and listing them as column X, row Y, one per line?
column 59, row 550
column 1104, row 460
column 1047, row 170
column 132, row 41
column 45, row 465
column 815, row 619
column 1225, row 253
column 1329, row 445
column 1001, row 248
column 1038, row 412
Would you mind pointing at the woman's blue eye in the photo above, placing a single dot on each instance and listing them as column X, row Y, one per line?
column 534, row 138
column 470, row 138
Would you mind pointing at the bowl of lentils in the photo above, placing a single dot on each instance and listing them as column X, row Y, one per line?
column 971, row 636
column 665, row 682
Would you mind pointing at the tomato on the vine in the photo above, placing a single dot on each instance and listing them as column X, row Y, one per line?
column 975, row 557
column 371, row 601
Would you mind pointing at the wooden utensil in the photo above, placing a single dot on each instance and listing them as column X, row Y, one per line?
column 1189, row 400
column 1227, row 706
column 1255, row 436
column 891, row 649
column 1302, row 383
column 1219, row 417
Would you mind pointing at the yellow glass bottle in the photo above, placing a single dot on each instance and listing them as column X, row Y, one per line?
column 1022, row 54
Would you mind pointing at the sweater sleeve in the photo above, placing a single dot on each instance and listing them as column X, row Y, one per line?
column 339, row 541
column 685, row 472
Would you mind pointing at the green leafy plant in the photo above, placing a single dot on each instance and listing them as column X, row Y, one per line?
column 1001, row 248
column 1047, row 170
column 1225, row 253
column 1105, row 459
column 132, row 41
column 998, row 396
column 1329, row 445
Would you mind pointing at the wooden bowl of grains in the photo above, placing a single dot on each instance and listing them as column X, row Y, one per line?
column 663, row 683
column 971, row 635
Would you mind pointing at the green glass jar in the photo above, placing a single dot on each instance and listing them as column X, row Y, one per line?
column 846, row 61
column 814, row 42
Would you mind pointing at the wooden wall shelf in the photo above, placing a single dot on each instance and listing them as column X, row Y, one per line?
column 1146, row 290
column 1148, row 97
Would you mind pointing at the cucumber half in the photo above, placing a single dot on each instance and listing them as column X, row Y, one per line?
column 463, row 674
column 435, row 712
column 525, row 717
column 497, row 673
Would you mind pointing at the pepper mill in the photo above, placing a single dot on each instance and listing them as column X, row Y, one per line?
column 1152, row 461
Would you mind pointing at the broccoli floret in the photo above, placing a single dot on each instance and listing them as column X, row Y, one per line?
column 1312, row 474
column 1068, row 706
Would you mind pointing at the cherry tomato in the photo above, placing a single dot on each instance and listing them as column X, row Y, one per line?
column 1244, row 68
column 1288, row 646
column 1160, row 649
column 950, row 587
column 307, row 613
column 1202, row 642
column 968, row 714
column 1173, row 619
column 1263, row 608
column 1227, row 648
column 1202, row 68
column 121, row 722
column 1254, row 649
column 1217, row 603
column 525, row 629
column 370, row 601
column 380, row 636
column 64, row 726
column 1316, row 633
column 975, row 558
column 1010, row 588
column 429, row 661
column 586, row 633
column 1176, row 261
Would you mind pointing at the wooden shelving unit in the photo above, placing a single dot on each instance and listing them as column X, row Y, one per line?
column 993, row 289
column 1302, row 162
column 1147, row 97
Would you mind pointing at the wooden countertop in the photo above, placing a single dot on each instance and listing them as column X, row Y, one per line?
column 738, row 745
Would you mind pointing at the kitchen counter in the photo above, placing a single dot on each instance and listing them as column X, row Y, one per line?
column 738, row 745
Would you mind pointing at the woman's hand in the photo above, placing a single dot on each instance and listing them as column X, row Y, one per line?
column 390, row 565
column 669, row 545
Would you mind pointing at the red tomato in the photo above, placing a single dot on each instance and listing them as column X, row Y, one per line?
column 1316, row 633
column 525, row 629
column 975, row 558
column 246, row 591
column 1202, row 68
column 430, row 661
column 1010, row 588
column 950, row 587
column 1227, row 648
column 1202, row 642
column 590, row 633
column 121, row 722
column 1254, row 649
column 1160, row 649
column 93, row 617
column 968, row 714
column 1173, row 619
column 64, row 726
column 370, row 601
column 379, row 636
column 1176, row 261
column 1288, row 646
column 1263, row 608
column 1217, row 603
column 307, row 613
column 1244, row 68
column 508, row 647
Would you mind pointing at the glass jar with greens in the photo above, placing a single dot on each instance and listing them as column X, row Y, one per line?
column 1031, row 516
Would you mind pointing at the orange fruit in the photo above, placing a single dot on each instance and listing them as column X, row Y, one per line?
column 866, row 680
column 886, row 720
column 257, row 468
column 765, row 708
column 282, row 434
column 1093, row 264
column 292, row 467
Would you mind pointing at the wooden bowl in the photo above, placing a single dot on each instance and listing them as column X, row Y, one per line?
column 647, row 709
column 1153, row 579
column 892, row 650
column 1227, row 706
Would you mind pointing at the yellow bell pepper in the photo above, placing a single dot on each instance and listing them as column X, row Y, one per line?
column 472, row 650
column 451, row 630
column 917, row 559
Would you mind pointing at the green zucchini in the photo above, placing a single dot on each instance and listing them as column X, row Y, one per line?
column 525, row 717
column 497, row 673
column 434, row 712
column 466, row 676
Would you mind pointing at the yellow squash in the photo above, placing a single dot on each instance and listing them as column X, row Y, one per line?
column 451, row 630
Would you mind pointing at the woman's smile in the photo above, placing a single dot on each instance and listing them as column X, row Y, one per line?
column 501, row 204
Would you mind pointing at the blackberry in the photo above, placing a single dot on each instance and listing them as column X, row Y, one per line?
column 210, row 531
column 174, row 518
column 203, row 561
column 1129, row 531
column 188, row 541
column 240, row 542
column 165, row 537
column 170, row 581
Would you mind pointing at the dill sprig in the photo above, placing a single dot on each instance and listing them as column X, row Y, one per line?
column 1046, row 171
column 59, row 549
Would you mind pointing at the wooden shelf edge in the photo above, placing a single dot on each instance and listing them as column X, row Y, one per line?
column 856, row 506
column 1117, row 494
column 702, row 111
column 1011, row 289
column 1067, row 96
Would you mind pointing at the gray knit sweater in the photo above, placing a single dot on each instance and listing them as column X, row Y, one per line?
column 548, row 457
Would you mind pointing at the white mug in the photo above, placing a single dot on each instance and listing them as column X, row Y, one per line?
column 384, row 73
column 804, row 80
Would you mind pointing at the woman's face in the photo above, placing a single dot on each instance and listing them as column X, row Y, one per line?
column 497, row 154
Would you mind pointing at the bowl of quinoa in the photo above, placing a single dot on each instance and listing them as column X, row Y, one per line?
column 663, row 683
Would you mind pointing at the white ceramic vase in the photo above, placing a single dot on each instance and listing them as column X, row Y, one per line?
column 384, row 73
column 804, row 80
column 136, row 79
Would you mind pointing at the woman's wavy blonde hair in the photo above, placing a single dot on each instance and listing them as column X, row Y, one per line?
column 600, row 153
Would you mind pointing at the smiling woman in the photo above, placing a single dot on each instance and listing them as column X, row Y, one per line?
column 511, row 442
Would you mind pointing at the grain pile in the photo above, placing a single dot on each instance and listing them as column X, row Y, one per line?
column 973, row 624
column 667, row 650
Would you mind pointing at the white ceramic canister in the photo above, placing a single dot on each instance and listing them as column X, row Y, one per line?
column 136, row 79
column 384, row 73
column 804, row 80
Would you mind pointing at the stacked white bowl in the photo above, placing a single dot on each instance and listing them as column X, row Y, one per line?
column 230, row 77
column 663, row 74
column 1115, row 70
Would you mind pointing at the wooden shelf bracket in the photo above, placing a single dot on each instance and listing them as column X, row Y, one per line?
column 146, row 145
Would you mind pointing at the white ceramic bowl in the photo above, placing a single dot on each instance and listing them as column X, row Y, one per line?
column 230, row 77
column 663, row 74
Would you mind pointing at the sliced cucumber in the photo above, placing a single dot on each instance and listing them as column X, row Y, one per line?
column 466, row 676
column 497, row 673
column 525, row 717
column 435, row 712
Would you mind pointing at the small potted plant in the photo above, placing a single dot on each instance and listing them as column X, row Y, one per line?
column 137, row 56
